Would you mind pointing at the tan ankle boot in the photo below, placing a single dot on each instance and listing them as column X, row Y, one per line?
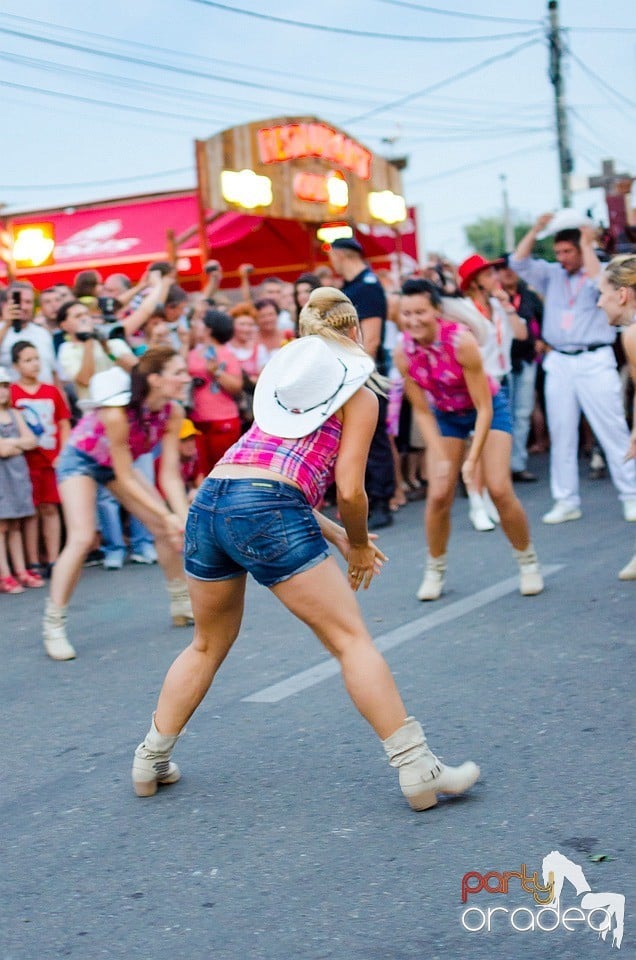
column 151, row 764
column 180, row 606
column 433, row 583
column 530, row 577
column 422, row 775
column 54, row 633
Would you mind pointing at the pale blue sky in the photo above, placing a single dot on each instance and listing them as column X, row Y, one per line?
column 497, row 120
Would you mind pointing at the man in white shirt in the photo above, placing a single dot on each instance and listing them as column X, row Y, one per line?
column 17, row 324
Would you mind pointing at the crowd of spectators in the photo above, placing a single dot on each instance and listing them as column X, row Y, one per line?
column 52, row 343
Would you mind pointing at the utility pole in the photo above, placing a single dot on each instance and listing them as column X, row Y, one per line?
column 556, row 78
column 509, row 236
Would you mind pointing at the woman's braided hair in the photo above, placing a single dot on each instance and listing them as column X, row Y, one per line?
column 329, row 313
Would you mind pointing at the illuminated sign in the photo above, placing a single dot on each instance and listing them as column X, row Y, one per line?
column 33, row 245
column 387, row 206
column 333, row 231
column 246, row 189
column 316, row 188
column 293, row 141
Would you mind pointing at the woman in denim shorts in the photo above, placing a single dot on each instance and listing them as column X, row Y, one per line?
column 453, row 399
column 127, row 415
column 256, row 513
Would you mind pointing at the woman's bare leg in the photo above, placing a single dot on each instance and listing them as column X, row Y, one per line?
column 218, row 611
column 78, row 502
column 496, row 469
column 322, row 598
column 442, row 481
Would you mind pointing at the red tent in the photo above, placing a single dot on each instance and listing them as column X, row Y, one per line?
column 125, row 235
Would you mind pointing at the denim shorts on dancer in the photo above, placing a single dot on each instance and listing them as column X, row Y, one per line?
column 76, row 463
column 462, row 423
column 251, row 525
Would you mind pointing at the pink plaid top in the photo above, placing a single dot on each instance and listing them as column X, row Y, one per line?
column 437, row 370
column 89, row 435
column 307, row 461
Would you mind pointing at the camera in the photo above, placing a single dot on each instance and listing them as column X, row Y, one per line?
column 16, row 298
column 110, row 331
column 85, row 335
column 198, row 382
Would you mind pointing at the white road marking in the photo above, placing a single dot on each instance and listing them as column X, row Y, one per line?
column 387, row 641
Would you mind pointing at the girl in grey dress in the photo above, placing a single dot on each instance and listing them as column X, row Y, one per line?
column 16, row 501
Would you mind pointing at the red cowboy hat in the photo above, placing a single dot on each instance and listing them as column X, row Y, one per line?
column 472, row 266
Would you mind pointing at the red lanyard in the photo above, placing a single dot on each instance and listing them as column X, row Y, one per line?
column 579, row 287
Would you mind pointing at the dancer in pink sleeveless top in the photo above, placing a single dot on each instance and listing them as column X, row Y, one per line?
column 453, row 398
column 314, row 419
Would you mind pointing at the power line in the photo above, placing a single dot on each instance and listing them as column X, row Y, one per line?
column 186, row 71
column 105, row 103
column 475, row 166
column 190, row 56
column 456, row 13
column 367, row 34
column 606, row 86
column 96, row 183
column 442, row 83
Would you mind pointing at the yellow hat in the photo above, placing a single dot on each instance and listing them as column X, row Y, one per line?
column 188, row 429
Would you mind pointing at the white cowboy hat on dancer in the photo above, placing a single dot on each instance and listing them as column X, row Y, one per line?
column 305, row 383
column 110, row 388
column 565, row 219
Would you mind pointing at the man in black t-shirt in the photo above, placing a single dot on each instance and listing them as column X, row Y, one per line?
column 367, row 295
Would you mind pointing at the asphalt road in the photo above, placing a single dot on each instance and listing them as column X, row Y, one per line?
column 287, row 836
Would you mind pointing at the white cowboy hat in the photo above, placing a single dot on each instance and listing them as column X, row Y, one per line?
column 565, row 219
column 111, row 388
column 305, row 383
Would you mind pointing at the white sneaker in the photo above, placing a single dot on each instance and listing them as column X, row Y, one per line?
column 433, row 583
column 56, row 642
column 145, row 554
column 561, row 512
column 629, row 571
column 629, row 510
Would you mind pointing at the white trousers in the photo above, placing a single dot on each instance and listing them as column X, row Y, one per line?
column 588, row 382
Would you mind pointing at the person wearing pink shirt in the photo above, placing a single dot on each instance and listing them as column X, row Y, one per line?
column 217, row 380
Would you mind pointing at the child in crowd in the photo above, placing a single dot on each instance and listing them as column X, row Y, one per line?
column 16, row 501
column 191, row 472
column 47, row 414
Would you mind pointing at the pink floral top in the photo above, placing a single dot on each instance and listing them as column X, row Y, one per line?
column 437, row 370
column 89, row 435
column 308, row 461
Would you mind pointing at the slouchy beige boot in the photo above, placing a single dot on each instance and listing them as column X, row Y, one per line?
column 530, row 578
column 422, row 775
column 180, row 606
column 151, row 764
column 54, row 633
column 434, row 575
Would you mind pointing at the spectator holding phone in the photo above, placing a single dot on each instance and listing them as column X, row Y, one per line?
column 17, row 324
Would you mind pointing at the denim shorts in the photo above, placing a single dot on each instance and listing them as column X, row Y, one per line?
column 251, row 525
column 461, row 424
column 76, row 463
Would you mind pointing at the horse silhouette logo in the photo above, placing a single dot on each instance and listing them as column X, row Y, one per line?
column 557, row 869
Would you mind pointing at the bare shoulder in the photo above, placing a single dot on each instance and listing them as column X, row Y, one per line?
column 363, row 403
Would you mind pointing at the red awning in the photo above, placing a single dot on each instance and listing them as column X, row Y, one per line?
column 125, row 236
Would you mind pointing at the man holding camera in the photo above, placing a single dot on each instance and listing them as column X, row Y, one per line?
column 17, row 324
column 84, row 353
